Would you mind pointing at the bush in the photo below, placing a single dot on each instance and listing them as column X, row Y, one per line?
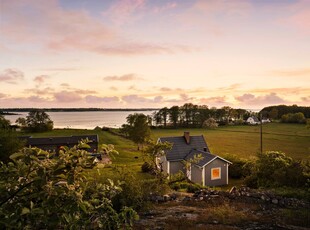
column 210, row 123
column 188, row 186
column 240, row 167
column 147, row 167
column 42, row 190
column 293, row 118
column 273, row 169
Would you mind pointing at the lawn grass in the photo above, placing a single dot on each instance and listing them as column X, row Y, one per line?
column 244, row 141
column 128, row 154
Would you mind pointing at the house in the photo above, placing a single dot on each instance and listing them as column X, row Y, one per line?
column 55, row 143
column 211, row 170
column 266, row 120
column 253, row 120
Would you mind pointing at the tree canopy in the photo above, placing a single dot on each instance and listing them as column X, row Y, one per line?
column 137, row 128
column 36, row 121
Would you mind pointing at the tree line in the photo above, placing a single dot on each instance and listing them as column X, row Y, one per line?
column 193, row 116
column 276, row 112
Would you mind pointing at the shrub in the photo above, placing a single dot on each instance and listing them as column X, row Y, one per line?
column 147, row 167
column 210, row 123
column 240, row 167
column 42, row 190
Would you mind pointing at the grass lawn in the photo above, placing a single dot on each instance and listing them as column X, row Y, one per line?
column 244, row 141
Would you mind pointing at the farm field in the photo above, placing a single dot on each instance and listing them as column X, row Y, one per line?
column 244, row 141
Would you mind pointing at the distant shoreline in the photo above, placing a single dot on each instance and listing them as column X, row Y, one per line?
column 10, row 111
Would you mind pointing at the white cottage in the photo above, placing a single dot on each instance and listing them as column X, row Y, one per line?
column 211, row 170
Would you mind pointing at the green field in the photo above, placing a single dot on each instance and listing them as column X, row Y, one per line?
column 244, row 141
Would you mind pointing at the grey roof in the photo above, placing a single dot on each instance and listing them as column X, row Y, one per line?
column 181, row 149
column 71, row 140
column 207, row 157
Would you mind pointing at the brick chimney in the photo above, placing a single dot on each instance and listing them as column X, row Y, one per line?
column 187, row 137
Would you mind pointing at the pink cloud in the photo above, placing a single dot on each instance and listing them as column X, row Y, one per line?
column 136, row 99
column 66, row 96
column 167, row 6
column 268, row 99
column 126, row 77
column 215, row 101
column 124, row 11
column 41, row 79
column 95, row 99
column 298, row 15
column 2, row 95
column 12, row 76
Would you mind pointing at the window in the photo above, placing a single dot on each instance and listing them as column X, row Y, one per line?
column 215, row 173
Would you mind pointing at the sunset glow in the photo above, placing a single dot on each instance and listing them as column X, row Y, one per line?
column 151, row 54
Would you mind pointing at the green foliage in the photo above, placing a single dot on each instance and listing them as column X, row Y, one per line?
column 293, row 118
column 4, row 123
column 153, row 152
column 137, row 128
column 186, row 186
column 36, row 121
column 240, row 168
column 41, row 190
column 9, row 143
column 147, row 167
column 136, row 192
column 276, row 112
column 210, row 123
column 274, row 168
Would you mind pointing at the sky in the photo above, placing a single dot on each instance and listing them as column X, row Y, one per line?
column 154, row 53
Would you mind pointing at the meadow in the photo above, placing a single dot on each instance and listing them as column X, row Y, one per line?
column 243, row 141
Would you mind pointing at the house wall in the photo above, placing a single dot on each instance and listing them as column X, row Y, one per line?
column 217, row 163
column 164, row 163
column 175, row 167
column 196, row 174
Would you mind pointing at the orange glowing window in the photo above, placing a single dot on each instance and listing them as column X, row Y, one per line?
column 215, row 173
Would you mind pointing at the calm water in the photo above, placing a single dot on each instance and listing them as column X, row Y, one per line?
column 85, row 120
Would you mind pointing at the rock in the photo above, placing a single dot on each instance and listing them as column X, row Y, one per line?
column 275, row 201
column 233, row 190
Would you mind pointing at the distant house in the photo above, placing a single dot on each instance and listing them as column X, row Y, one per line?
column 211, row 170
column 253, row 120
column 55, row 143
column 266, row 120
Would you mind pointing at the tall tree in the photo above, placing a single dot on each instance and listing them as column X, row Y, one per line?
column 174, row 113
column 138, row 128
column 36, row 121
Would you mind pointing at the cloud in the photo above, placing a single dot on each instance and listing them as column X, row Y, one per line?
column 12, row 76
column 298, row 15
column 41, row 79
column 167, row 6
column 250, row 99
column 83, row 91
column 2, row 95
column 95, row 99
column 143, row 48
column 124, row 11
column 38, row 91
column 305, row 99
column 67, row 96
column 37, row 99
column 126, row 77
column 292, row 73
column 53, row 28
column 220, row 100
column 65, row 85
column 136, row 99
column 61, row 69
column 113, row 88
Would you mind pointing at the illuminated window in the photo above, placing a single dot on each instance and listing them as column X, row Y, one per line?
column 215, row 173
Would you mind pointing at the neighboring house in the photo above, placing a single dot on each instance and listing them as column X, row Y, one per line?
column 253, row 120
column 266, row 120
column 211, row 170
column 55, row 143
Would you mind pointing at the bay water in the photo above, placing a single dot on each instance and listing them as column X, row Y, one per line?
column 86, row 119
